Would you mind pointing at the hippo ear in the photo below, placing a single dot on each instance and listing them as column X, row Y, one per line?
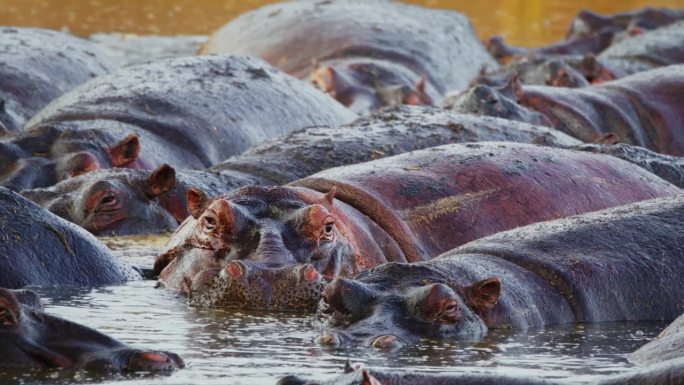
column 329, row 197
column 160, row 181
column 126, row 151
column 368, row 379
column 513, row 88
column 418, row 96
column 197, row 202
column 609, row 138
column 484, row 294
column 326, row 79
column 9, row 309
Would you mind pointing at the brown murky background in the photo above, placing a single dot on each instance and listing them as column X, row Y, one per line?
column 522, row 22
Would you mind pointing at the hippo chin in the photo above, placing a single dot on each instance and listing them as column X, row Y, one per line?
column 577, row 269
column 366, row 54
column 33, row 339
column 406, row 208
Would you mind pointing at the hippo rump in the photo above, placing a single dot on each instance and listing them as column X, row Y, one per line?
column 32, row 339
column 148, row 202
column 619, row 264
column 366, row 54
column 39, row 248
column 139, row 117
column 644, row 109
column 592, row 33
column 667, row 373
column 39, row 65
column 406, row 208
column 668, row 345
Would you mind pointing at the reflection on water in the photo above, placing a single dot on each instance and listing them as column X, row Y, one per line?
column 523, row 22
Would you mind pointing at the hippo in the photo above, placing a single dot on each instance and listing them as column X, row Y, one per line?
column 367, row 54
column 586, row 268
column 642, row 109
column 138, row 117
column 39, row 248
column 668, row 345
column 33, row 339
column 406, row 208
column 152, row 202
column 592, row 33
column 670, row 372
column 38, row 65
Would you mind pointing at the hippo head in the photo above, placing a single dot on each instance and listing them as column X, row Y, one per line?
column 239, row 236
column 30, row 338
column 365, row 87
column 116, row 201
column 46, row 155
column 369, row 310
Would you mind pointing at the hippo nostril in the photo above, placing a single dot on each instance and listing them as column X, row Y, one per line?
column 235, row 269
column 386, row 342
column 329, row 338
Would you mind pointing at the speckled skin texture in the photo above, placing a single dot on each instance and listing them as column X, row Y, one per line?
column 406, row 208
column 38, row 65
column 377, row 42
column 191, row 127
column 39, row 248
column 31, row 338
column 587, row 268
column 668, row 345
column 281, row 160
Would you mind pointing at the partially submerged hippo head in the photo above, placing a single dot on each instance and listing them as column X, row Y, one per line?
column 369, row 310
column 46, row 155
column 30, row 338
column 261, row 240
column 364, row 87
column 118, row 202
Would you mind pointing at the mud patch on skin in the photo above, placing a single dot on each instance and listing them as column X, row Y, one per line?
column 425, row 214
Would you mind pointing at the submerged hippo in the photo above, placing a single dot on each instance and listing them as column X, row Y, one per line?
column 667, row 373
column 644, row 109
column 593, row 33
column 668, row 345
column 405, row 208
column 623, row 263
column 139, row 117
column 367, row 54
column 39, row 248
column 149, row 202
column 34, row 339
column 38, row 65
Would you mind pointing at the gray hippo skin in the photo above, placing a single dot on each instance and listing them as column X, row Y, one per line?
column 623, row 263
column 39, row 248
column 38, row 65
column 367, row 54
column 30, row 338
column 668, row 345
column 670, row 372
column 187, row 112
column 149, row 202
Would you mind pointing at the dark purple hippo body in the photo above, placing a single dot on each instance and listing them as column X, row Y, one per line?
column 367, row 54
column 148, row 202
column 667, row 346
column 38, row 248
column 30, row 339
column 670, row 372
column 406, row 208
column 37, row 66
column 186, row 112
column 623, row 263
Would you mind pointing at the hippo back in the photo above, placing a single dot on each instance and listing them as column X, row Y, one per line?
column 668, row 345
column 440, row 44
column 435, row 199
column 39, row 248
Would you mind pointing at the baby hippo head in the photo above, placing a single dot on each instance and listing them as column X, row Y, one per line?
column 387, row 315
column 276, row 227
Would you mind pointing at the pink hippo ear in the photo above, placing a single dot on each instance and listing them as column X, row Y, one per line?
column 126, row 151
column 160, row 181
column 484, row 294
column 325, row 79
column 197, row 202
column 329, row 197
column 9, row 309
column 418, row 96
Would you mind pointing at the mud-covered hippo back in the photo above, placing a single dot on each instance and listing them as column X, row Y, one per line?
column 38, row 65
column 618, row 264
column 440, row 44
column 39, row 248
column 211, row 106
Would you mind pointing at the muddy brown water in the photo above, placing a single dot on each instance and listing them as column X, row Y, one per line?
column 236, row 347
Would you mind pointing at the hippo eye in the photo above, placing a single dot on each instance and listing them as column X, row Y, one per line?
column 209, row 223
column 108, row 200
column 449, row 313
column 328, row 230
